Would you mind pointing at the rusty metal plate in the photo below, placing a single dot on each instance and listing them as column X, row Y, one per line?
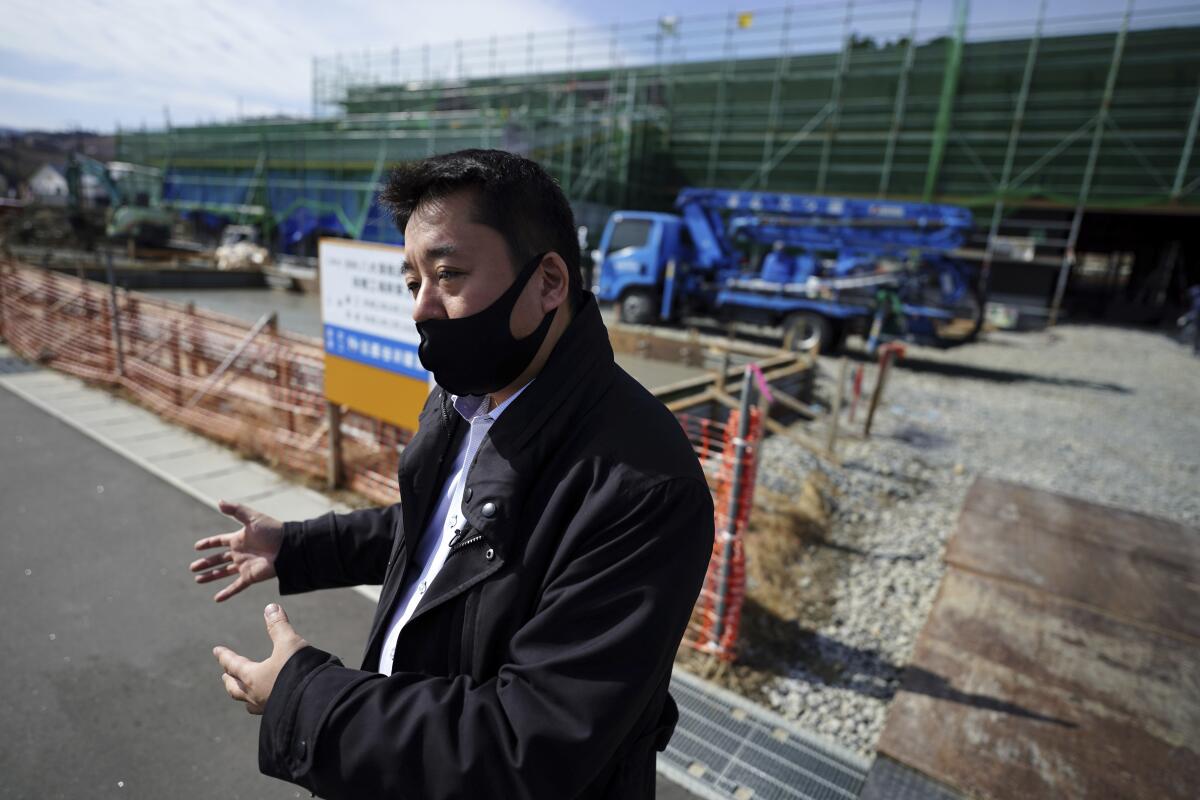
column 1135, row 567
column 1014, row 693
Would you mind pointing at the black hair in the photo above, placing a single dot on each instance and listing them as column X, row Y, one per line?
column 514, row 196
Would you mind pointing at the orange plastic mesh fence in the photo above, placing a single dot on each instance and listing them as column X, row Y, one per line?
column 715, row 620
column 267, row 401
column 263, row 394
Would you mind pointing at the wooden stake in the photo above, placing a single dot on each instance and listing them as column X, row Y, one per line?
column 877, row 393
column 176, row 364
column 115, row 320
column 792, row 403
column 334, row 471
column 857, row 392
column 836, row 412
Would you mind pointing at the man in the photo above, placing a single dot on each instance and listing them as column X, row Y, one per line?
column 538, row 573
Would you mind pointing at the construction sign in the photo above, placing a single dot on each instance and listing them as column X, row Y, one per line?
column 371, row 362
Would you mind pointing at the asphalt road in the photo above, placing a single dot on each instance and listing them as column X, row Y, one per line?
column 110, row 688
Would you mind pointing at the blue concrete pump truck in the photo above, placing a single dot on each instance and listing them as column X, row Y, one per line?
column 816, row 268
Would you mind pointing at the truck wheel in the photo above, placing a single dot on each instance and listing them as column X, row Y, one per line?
column 965, row 328
column 637, row 308
column 805, row 330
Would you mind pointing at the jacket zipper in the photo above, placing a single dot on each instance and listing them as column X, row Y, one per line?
column 462, row 538
column 445, row 419
column 456, row 546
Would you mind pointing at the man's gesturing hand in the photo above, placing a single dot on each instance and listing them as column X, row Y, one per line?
column 249, row 681
column 250, row 555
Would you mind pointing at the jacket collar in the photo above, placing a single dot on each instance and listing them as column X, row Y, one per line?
column 577, row 371
column 582, row 362
column 518, row 450
column 523, row 441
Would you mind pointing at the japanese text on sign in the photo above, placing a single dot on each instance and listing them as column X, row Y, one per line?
column 366, row 307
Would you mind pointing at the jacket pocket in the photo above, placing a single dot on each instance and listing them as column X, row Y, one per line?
column 466, row 645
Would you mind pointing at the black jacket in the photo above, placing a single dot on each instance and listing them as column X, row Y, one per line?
column 537, row 664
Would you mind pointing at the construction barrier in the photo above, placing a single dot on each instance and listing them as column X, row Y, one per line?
column 260, row 390
column 729, row 463
column 255, row 388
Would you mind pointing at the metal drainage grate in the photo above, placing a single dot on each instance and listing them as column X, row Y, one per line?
column 891, row 780
column 727, row 747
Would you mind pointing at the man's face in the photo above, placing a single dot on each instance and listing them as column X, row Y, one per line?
column 455, row 267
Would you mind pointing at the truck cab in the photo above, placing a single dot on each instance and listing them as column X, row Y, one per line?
column 638, row 250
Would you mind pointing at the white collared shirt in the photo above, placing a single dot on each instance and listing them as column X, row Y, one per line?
column 445, row 522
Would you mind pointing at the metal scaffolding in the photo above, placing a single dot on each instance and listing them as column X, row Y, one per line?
column 984, row 107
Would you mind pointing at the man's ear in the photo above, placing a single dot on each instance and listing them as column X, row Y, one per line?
column 556, row 282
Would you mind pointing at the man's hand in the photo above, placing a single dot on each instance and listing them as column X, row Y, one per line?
column 251, row 682
column 251, row 554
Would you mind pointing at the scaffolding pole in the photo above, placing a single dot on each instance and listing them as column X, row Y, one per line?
column 627, row 139
column 791, row 144
column 1085, row 188
column 1186, row 156
column 316, row 88
column 568, row 143
column 835, row 100
column 669, row 93
column 610, row 128
column 885, row 174
column 252, row 185
column 941, row 126
column 360, row 222
column 1010, row 154
column 781, row 65
column 714, row 147
column 547, row 153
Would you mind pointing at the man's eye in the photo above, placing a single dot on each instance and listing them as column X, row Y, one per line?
column 445, row 275
column 412, row 288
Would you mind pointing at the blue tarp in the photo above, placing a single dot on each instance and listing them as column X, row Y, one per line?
column 301, row 204
column 215, row 188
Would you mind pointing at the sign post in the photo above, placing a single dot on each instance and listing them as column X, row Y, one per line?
column 371, row 363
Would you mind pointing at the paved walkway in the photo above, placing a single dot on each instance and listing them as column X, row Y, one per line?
column 110, row 688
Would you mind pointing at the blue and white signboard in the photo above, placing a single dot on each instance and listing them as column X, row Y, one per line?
column 371, row 362
column 366, row 307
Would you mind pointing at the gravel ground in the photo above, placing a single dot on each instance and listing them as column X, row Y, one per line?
column 1108, row 414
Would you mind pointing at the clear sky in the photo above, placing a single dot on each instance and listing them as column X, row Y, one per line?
column 99, row 63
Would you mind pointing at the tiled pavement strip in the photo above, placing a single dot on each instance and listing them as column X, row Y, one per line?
column 723, row 747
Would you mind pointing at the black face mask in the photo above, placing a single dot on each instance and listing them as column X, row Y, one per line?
column 478, row 354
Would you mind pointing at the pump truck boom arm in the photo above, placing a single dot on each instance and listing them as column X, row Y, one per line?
column 829, row 222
